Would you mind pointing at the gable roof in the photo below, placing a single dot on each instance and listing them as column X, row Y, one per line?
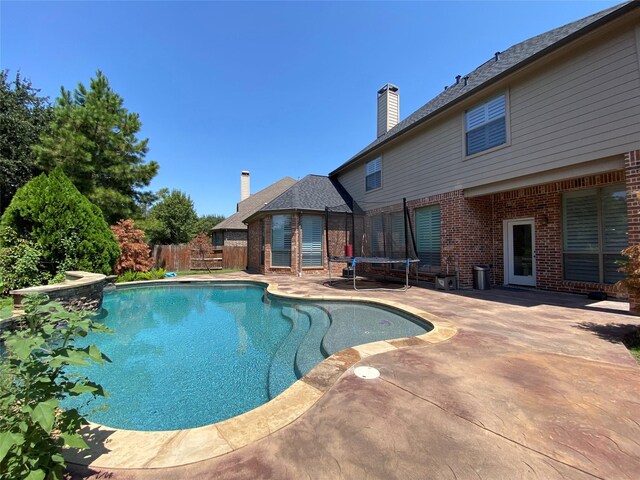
column 312, row 193
column 493, row 70
column 253, row 203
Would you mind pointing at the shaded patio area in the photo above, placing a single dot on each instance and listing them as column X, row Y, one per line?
column 534, row 385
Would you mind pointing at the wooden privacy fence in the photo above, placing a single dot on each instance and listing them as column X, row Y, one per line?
column 175, row 258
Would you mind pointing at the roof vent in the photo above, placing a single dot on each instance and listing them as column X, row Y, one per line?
column 388, row 108
column 458, row 77
column 497, row 54
column 466, row 80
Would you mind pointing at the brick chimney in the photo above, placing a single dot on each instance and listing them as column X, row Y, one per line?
column 388, row 108
column 245, row 187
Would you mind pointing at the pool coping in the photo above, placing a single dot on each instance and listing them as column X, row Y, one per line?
column 111, row 448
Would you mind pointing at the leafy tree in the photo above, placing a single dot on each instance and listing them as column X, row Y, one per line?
column 172, row 220
column 33, row 381
column 93, row 139
column 135, row 255
column 68, row 229
column 206, row 222
column 24, row 116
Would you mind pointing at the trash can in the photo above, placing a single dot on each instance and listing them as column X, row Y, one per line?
column 481, row 279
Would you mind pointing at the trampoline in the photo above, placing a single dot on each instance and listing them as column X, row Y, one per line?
column 392, row 237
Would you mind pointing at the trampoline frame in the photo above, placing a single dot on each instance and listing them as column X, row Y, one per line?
column 355, row 260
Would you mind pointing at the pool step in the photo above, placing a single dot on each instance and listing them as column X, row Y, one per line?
column 310, row 351
column 282, row 373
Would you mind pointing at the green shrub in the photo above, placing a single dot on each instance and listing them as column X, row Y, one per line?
column 69, row 230
column 33, row 381
column 20, row 262
column 131, row 276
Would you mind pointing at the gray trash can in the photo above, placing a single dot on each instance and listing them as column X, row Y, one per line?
column 481, row 279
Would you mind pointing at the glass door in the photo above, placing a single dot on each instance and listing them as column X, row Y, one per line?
column 520, row 265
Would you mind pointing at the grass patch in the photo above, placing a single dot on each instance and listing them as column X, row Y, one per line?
column 213, row 272
column 6, row 307
column 632, row 341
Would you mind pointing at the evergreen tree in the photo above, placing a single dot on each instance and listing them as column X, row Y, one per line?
column 93, row 139
column 24, row 116
column 68, row 229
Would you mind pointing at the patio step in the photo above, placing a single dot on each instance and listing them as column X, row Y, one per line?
column 310, row 350
column 282, row 370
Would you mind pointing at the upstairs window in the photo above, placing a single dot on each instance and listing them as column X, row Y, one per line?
column 373, row 174
column 486, row 125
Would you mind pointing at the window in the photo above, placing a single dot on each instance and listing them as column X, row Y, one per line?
column 218, row 239
column 428, row 235
column 311, row 241
column 486, row 126
column 595, row 231
column 281, row 241
column 373, row 174
column 377, row 237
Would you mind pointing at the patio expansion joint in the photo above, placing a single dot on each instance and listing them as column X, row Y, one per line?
column 488, row 430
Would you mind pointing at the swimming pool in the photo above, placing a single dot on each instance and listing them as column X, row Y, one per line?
column 188, row 355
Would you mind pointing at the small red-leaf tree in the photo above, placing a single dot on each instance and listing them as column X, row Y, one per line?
column 136, row 255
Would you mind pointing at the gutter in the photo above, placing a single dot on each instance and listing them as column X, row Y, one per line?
column 545, row 51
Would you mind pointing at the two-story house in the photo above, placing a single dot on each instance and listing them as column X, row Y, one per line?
column 530, row 163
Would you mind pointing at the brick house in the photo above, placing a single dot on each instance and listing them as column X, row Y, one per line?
column 529, row 163
column 288, row 236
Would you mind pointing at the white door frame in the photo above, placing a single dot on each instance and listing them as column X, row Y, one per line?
column 510, row 279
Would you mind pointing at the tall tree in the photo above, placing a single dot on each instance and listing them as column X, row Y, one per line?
column 172, row 220
column 93, row 139
column 24, row 116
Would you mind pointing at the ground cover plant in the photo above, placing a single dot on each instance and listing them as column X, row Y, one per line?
column 6, row 307
column 131, row 276
column 33, row 381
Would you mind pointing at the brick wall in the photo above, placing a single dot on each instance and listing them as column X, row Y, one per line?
column 632, row 171
column 234, row 238
column 253, row 246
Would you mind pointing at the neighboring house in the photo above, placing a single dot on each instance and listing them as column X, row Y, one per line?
column 530, row 163
column 287, row 235
column 232, row 231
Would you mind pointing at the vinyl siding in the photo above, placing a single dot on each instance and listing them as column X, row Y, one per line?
column 581, row 107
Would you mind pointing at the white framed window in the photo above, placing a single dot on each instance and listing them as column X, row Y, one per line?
column 594, row 233
column 311, row 241
column 281, row 241
column 486, row 125
column 373, row 174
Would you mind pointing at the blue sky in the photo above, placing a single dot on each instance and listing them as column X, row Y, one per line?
column 285, row 88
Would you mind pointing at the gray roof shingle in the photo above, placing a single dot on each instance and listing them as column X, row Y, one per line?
column 252, row 204
column 313, row 193
column 511, row 59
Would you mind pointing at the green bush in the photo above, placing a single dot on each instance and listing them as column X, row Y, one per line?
column 69, row 230
column 20, row 265
column 33, row 381
column 131, row 276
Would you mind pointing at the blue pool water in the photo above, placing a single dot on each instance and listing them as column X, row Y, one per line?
column 184, row 356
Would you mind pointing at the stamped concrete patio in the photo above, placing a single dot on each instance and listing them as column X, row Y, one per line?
column 534, row 385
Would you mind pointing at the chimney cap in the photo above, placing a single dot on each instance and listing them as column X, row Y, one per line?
column 244, row 172
column 389, row 86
